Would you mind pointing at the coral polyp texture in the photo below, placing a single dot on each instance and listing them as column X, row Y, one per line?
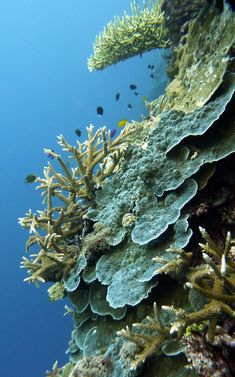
column 177, row 16
column 201, row 61
column 122, row 231
column 131, row 35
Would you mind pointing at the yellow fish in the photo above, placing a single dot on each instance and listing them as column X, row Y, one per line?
column 122, row 123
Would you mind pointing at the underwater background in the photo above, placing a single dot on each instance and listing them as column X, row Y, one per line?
column 45, row 90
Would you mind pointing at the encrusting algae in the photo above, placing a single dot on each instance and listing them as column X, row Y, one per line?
column 121, row 230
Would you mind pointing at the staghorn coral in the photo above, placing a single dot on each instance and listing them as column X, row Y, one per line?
column 67, row 195
column 149, row 336
column 60, row 372
column 56, row 291
column 131, row 35
column 159, row 334
column 215, row 280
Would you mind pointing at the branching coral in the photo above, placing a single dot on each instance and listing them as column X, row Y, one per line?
column 59, row 372
column 215, row 280
column 131, row 35
column 149, row 336
column 55, row 371
column 67, row 194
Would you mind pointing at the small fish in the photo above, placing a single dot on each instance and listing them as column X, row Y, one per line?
column 30, row 178
column 78, row 132
column 152, row 75
column 129, row 106
column 122, row 122
column 149, row 66
column 152, row 67
column 133, row 86
column 113, row 132
column 100, row 111
column 141, row 55
column 117, row 96
column 136, row 93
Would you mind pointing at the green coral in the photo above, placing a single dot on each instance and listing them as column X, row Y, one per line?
column 149, row 336
column 56, row 291
column 215, row 279
column 131, row 35
column 201, row 62
column 68, row 193
column 60, row 372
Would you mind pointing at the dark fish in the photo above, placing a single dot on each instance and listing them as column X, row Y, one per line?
column 117, row 96
column 152, row 67
column 141, row 55
column 152, row 75
column 133, row 87
column 100, row 111
column 113, row 132
column 136, row 93
column 78, row 132
column 129, row 106
column 30, row 178
column 149, row 66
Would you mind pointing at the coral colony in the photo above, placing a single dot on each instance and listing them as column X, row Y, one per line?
column 137, row 230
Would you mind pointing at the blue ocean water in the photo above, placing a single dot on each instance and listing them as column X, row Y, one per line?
column 45, row 90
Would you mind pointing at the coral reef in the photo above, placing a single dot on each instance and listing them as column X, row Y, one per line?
column 119, row 234
column 60, row 372
column 215, row 279
column 150, row 336
column 204, row 358
column 201, row 62
column 131, row 35
column 177, row 16
column 72, row 189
